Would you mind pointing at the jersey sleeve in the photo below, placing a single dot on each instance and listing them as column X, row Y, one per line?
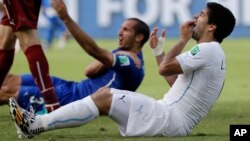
column 192, row 59
column 123, row 63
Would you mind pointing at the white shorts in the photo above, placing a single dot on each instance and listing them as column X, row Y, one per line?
column 140, row 115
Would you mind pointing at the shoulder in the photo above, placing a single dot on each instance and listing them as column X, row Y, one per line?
column 207, row 48
column 209, row 45
column 125, row 56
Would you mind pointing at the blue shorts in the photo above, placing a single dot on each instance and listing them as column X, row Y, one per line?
column 29, row 93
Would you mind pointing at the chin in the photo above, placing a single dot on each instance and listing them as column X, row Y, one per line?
column 123, row 48
column 195, row 36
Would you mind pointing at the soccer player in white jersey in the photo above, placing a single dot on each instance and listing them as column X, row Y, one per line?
column 196, row 78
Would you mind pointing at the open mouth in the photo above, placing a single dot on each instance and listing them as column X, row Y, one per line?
column 120, row 41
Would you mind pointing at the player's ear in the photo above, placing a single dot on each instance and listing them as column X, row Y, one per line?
column 139, row 37
column 212, row 27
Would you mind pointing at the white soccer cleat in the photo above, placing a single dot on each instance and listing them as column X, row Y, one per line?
column 23, row 120
column 19, row 132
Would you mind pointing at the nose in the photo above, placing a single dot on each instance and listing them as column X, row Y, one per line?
column 196, row 16
column 120, row 32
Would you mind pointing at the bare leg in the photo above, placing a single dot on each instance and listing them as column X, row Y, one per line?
column 10, row 88
column 7, row 46
column 77, row 113
column 39, row 67
column 102, row 99
column 12, row 80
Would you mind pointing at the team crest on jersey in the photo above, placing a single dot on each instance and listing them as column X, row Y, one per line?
column 195, row 50
column 124, row 60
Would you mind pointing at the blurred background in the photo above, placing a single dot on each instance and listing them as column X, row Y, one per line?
column 102, row 18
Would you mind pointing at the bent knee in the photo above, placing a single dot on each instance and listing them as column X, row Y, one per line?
column 12, row 80
column 102, row 98
column 4, row 97
column 103, row 90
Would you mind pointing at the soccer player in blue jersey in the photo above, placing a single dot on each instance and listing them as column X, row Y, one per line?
column 123, row 68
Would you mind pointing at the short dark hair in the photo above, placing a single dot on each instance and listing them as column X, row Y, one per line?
column 141, row 28
column 223, row 18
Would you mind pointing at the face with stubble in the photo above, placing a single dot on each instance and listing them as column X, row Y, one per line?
column 200, row 24
column 127, row 37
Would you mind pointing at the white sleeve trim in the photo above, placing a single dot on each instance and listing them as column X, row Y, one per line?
column 114, row 60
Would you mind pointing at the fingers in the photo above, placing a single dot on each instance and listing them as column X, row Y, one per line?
column 189, row 24
column 163, row 33
column 154, row 32
column 154, row 39
column 57, row 4
column 54, row 3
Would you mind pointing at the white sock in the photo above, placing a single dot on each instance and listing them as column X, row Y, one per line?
column 71, row 115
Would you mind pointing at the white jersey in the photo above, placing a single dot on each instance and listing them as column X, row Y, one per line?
column 183, row 106
column 197, row 89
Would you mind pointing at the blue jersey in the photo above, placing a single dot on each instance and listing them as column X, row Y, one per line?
column 122, row 75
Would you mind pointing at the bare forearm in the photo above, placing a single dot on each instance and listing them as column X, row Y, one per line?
column 159, row 58
column 86, row 42
column 94, row 69
column 83, row 39
column 171, row 73
column 175, row 50
column 169, row 79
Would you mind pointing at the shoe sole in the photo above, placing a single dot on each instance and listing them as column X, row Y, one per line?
column 17, row 116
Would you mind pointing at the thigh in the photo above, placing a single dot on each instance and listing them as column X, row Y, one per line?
column 144, row 115
column 21, row 14
column 7, row 37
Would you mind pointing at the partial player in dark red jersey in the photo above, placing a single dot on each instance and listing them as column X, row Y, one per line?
column 20, row 21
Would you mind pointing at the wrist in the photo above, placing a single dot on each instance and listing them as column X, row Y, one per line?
column 159, row 49
column 184, row 40
column 66, row 19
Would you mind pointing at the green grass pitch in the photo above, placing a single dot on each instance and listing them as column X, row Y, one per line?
column 232, row 106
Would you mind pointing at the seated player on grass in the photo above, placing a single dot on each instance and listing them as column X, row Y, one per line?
column 123, row 68
column 196, row 78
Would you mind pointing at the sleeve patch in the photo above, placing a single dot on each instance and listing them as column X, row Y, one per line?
column 124, row 60
column 195, row 50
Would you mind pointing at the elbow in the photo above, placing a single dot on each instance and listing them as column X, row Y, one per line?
column 87, row 73
column 162, row 70
column 165, row 70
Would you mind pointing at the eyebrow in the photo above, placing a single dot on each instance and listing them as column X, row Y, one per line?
column 202, row 12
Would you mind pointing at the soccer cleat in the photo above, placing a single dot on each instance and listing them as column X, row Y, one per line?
column 23, row 120
column 19, row 132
